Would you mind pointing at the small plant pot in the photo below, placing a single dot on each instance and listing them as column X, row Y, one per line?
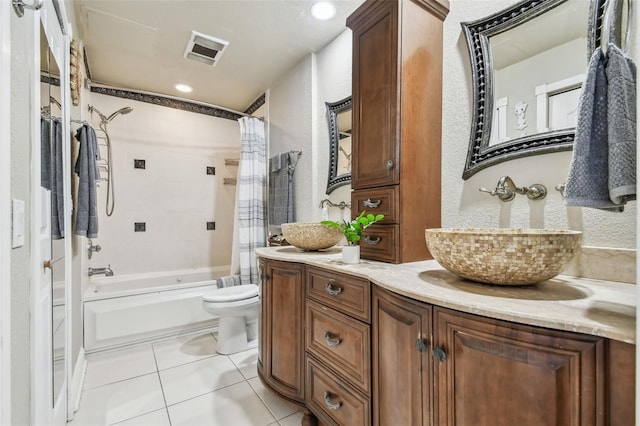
column 351, row 254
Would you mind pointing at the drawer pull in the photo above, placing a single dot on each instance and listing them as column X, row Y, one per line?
column 330, row 404
column 440, row 354
column 389, row 164
column 372, row 241
column 421, row 345
column 334, row 291
column 371, row 204
column 331, row 341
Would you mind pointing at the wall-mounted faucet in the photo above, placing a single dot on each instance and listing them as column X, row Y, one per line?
column 506, row 190
column 91, row 248
column 100, row 271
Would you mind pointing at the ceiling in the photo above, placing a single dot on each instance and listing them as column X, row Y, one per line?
column 139, row 44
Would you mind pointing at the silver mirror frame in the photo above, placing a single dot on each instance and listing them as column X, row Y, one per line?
column 333, row 109
column 477, row 34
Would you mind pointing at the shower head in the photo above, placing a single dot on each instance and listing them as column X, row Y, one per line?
column 101, row 115
column 125, row 110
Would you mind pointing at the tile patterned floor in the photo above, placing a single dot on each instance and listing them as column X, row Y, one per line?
column 178, row 382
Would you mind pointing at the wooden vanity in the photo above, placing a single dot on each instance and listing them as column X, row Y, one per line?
column 412, row 344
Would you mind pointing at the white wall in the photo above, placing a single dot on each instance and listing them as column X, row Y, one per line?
column 463, row 205
column 173, row 195
column 298, row 121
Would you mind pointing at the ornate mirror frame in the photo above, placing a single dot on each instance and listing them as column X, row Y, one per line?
column 333, row 109
column 477, row 33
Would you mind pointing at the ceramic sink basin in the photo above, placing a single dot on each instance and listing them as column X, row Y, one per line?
column 311, row 235
column 503, row 256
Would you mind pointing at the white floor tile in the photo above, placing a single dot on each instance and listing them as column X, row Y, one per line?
column 115, row 402
column 292, row 420
column 236, row 405
column 113, row 366
column 180, row 351
column 278, row 407
column 155, row 418
column 247, row 362
column 197, row 378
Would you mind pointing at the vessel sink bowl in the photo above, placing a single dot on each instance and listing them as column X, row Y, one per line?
column 311, row 235
column 503, row 256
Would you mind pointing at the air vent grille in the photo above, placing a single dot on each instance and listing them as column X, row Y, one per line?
column 205, row 48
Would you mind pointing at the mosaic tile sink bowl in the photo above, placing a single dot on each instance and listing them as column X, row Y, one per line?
column 503, row 256
column 311, row 235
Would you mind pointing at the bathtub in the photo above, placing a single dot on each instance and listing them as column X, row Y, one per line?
column 124, row 310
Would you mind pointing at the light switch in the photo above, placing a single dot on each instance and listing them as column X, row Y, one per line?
column 18, row 223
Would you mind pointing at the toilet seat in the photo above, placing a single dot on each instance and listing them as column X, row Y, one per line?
column 232, row 294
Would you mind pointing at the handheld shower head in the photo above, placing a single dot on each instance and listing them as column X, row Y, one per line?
column 101, row 115
column 125, row 110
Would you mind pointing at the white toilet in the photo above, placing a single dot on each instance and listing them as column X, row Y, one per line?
column 237, row 307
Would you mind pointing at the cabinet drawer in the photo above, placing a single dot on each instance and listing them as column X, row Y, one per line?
column 342, row 342
column 332, row 401
column 377, row 201
column 345, row 293
column 380, row 242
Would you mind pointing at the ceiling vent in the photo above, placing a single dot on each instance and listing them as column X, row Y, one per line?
column 204, row 48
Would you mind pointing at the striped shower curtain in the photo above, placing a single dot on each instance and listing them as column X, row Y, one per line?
column 250, row 212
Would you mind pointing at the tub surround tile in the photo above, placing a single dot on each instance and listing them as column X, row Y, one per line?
column 278, row 407
column 595, row 307
column 198, row 378
column 116, row 402
column 602, row 263
column 114, row 366
column 235, row 405
column 175, row 352
column 155, row 418
column 246, row 362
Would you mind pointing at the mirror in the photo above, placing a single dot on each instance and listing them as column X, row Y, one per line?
column 528, row 64
column 53, row 146
column 339, row 121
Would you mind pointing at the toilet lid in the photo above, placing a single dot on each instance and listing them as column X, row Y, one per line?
column 229, row 294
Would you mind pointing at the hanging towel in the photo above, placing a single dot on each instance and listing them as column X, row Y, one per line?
column 57, row 182
column 228, row 281
column 621, row 118
column 45, row 153
column 281, row 170
column 86, row 168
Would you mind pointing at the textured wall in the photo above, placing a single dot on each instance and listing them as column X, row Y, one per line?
column 462, row 203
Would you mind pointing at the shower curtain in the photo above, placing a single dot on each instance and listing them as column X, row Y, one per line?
column 250, row 212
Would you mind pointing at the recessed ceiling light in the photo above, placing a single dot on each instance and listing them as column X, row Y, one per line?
column 323, row 10
column 184, row 88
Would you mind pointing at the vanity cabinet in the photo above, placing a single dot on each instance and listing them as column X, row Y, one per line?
column 280, row 364
column 397, row 114
column 490, row 372
column 338, row 348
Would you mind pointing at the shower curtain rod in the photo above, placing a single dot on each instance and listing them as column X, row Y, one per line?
column 162, row 95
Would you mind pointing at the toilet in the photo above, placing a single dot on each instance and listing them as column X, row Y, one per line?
column 237, row 308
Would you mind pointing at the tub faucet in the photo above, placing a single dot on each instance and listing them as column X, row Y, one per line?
column 98, row 271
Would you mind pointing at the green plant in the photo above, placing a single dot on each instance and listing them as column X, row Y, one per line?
column 353, row 230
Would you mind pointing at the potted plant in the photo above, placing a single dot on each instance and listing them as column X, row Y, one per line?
column 352, row 231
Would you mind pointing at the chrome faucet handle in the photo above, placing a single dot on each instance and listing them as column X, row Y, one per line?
column 502, row 192
column 91, row 248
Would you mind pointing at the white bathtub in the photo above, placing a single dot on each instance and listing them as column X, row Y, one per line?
column 123, row 310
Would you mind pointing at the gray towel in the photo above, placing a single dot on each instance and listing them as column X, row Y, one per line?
column 281, row 169
column 45, row 153
column 600, row 158
column 621, row 113
column 228, row 281
column 57, row 182
column 86, row 168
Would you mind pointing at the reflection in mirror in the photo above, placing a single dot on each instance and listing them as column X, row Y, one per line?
column 528, row 64
column 339, row 121
column 51, row 163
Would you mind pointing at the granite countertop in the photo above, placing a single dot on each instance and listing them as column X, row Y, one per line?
column 595, row 307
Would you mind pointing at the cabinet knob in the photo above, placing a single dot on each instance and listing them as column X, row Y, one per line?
column 333, row 342
column 371, row 204
column 47, row 264
column 334, row 291
column 421, row 345
column 439, row 354
column 389, row 165
column 264, row 278
column 330, row 404
column 372, row 241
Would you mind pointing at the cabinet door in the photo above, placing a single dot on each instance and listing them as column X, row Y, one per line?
column 375, row 96
column 495, row 373
column 401, row 361
column 282, row 348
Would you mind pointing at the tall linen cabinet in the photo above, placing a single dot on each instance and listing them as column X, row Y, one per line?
column 397, row 124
